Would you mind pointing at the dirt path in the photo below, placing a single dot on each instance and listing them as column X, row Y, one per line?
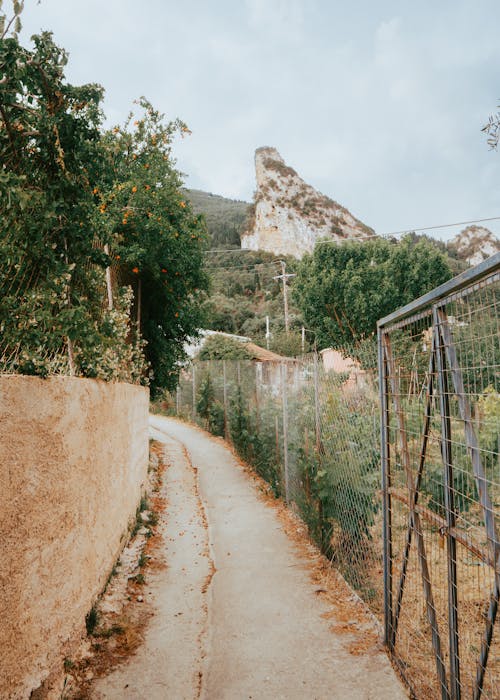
column 237, row 614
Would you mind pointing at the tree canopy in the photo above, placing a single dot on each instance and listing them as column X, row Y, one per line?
column 219, row 347
column 76, row 201
column 342, row 290
column 157, row 241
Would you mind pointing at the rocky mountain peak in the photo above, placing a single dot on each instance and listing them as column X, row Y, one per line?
column 289, row 215
column 475, row 244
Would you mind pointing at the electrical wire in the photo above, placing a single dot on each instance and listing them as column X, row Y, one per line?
column 388, row 234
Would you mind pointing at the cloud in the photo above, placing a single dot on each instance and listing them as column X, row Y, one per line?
column 379, row 105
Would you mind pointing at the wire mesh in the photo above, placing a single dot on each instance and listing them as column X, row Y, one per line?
column 313, row 434
column 423, row 550
column 441, row 431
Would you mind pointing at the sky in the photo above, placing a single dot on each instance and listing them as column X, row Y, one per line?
column 378, row 105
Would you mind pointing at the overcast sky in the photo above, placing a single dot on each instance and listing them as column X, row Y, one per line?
column 379, row 105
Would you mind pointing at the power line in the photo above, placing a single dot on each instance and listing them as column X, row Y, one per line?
column 387, row 234
column 415, row 230
column 244, row 267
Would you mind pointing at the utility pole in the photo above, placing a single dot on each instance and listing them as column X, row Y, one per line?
column 268, row 333
column 284, row 276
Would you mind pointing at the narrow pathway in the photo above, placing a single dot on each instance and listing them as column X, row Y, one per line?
column 237, row 615
column 168, row 665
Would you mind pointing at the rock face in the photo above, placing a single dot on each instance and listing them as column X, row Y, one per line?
column 289, row 215
column 475, row 244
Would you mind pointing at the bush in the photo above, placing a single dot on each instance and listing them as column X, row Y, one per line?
column 219, row 347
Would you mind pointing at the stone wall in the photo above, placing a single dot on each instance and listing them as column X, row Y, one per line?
column 74, row 464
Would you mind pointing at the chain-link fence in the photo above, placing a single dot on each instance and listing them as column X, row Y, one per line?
column 313, row 434
column 440, row 369
column 423, row 550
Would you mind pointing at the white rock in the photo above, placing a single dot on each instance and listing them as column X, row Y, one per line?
column 290, row 215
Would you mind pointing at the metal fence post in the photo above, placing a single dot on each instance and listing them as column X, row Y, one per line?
column 449, row 503
column 258, row 376
column 224, row 394
column 386, row 498
column 284, row 399
column 317, row 426
column 194, row 389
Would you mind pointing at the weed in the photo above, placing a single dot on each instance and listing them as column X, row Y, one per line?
column 143, row 560
column 68, row 664
column 153, row 518
column 114, row 629
column 139, row 579
column 137, row 523
column 112, row 573
column 144, row 505
column 91, row 620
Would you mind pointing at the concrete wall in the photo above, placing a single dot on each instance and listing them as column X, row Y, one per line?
column 74, row 455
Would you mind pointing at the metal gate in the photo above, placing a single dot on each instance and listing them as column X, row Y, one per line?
column 439, row 368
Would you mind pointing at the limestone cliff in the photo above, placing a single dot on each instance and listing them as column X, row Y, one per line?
column 289, row 215
column 475, row 243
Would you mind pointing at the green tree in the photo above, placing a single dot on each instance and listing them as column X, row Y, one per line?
column 73, row 201
column 288, row 344
column 218, row 347
column 51, row 254
column 157, row 241
column 342, row 290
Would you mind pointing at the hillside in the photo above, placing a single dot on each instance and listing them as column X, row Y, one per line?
column 225, row 217
column 243, row 289
column 244, row 292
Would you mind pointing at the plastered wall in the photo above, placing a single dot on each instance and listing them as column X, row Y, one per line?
column 74, row 456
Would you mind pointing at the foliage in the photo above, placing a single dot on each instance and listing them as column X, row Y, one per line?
column 74, row 200
column 225, row 218
column 11, row 25
column 492, row 130
column 343, row 290
column 219, row 347
column 51, row 278
column 158, row 241
column 256, row 446
column 240, row 425
column 342, row 478
column 244, row 292
column 206, row 396
column 288, row 344
column 217, row 419
column 464, row 490
column 478, row 353
column 489, row 432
